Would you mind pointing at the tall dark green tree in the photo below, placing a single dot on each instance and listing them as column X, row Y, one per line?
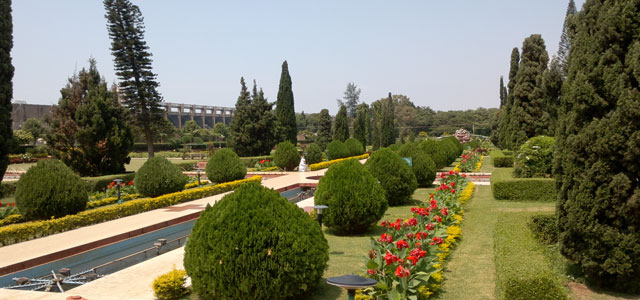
column 387, row 124
column 285, row 107
column 376, row 123
column 132, row 62
column 597, row 162
column 529, row 116
column 6, row 83
column 495, row 135
column 89, row 128
column 565, row 42
column 351, row 99
column 552, row 80
column 241, row 122
column 341, row 125
column 360, row 124
column 253, row 125
column 324, row 129
column 504, row 130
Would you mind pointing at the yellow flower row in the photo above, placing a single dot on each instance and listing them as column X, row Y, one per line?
column 16, row 233
column 326, row 164
column 466, row 194
column 195, row 184
column 479, row 164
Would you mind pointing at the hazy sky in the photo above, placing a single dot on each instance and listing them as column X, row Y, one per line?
column 448, row 55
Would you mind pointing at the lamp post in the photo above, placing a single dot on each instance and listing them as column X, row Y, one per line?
column 118, row 181
column 319, row 209
column 198, row 170
column 351, row 283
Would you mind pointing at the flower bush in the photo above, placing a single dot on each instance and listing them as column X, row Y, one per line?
column 170, row 285
column 471, row 162
column 407, row 260
column 263, row 164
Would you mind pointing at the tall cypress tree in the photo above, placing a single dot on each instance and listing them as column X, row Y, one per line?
column 360, row 128
column 6, row 83
column 597, row 162
column 565, row 42
column 240, row 134
column 552, row 80
column 495, row 135
column 529, row 117
column 324, row 129
column 341, row 125
column 132, row 61
column 504, row 129
column 377, row 111
column 387, row 124
column 285, row 107
column 264, row 123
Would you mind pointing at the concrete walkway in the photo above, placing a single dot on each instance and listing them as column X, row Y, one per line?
column 133, row 282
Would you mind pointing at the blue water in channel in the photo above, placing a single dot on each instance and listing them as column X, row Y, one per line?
column 90, row 259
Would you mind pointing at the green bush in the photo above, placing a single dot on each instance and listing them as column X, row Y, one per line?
column 535, row 158
column 224, row 166
column 423, row 166
column 254, row 244
column 355, row 199
column 158, row 176
column 314, row 154
column 505, row 187
column 337, row 149
column 435, row 151
column 286, row 156
column 394, row 175
column 8, row 188
column 354, row 146
column 450, row 148
column 521, row 269
column 50, row 189
column 170, row 285
column 544, row 228
column 395, row 147
column 507, row 152
column 503, row 161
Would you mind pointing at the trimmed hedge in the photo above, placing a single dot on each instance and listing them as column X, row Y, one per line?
column 544, row 228
column 522, row 273
column 503, row 161
column 394, row 174
column 505, row 187
column 158, row 176
column 314, row 154
column 50, row 189
column 423, row 166
column 16, row 233
column 354, row 146
column 254, row 244
column 337, row 149
column 286, row 156
column 355, row 199
column 225, row 165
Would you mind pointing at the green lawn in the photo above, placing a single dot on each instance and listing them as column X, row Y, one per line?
column 347, row 253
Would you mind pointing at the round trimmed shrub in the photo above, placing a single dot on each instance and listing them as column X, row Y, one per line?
column 423, row 166
column 435, row 151
column 355, row 199
column 50, row 189
column 254, row 244
column 286, row 156
column 158, row 176
column 354, row 146
column 535, row 157
column 314, row 154
column 337, row 149
column 394, row 175
column 395, row 147
column 450, row 149
column 170, row 285
column 224, row 166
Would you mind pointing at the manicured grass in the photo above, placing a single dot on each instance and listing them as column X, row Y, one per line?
column 487, row 165
column 470, row 273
